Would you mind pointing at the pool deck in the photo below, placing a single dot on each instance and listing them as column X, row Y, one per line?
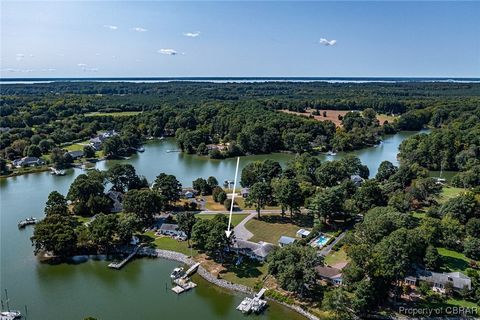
column 326, row 250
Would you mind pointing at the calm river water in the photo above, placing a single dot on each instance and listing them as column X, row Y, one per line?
column 87, row 287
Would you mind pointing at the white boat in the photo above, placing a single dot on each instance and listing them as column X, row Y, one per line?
column 176, row 273
column 331, row 153
column 10, row 315
column 26, row 222
column 57, row 172
column 141, row 149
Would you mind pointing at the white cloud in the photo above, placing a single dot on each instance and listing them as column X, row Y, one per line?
column 169, row 52
column 111, row 27
column 326, row 42
column 86, row 68
column 140, row 29
column 19, row 56
column 192, row 34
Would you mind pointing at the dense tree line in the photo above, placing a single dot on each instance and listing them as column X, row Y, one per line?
column 42, row 117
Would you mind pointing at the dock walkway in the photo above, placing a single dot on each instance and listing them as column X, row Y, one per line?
column 119, row 265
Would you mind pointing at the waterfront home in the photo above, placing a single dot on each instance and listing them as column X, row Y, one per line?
column 356, row 179
column 117, row 198
column 257, row 251
column 244, row 192
column 27, row 161
column 169, row 229
column 188, row 193
column 285, row 241
column 330, row 275
column 96, row 142
column 74, row 154
column 302, row 233
column 219, row 147
column 439, row 281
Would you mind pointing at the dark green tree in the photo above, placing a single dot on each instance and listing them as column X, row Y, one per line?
column 186, row 221
column 56, row 234
column 56, row 204
column 259, row 196
column 144, row 204
column 168, row 186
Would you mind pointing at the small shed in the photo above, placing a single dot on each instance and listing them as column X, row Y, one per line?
column 302, row 233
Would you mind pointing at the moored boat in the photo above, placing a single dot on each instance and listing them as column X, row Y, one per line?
column 177, row 273
column 10, row 315
column 26, row 222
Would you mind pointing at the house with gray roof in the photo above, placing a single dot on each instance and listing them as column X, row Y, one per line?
column 27, row 161
column 439, row 281
column 329, row 274
column 258, row 251
column 172, row 230
column 75, row 154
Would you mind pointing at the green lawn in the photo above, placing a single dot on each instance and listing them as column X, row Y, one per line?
column 449, row 193
column 241, row 203
column 448, row 303
column 335, row 257
column 453, row 260
column 247, row 273
column 168, row 243
column 113, row 114
column 271, row 227
column 236, row 218
column 418, row 214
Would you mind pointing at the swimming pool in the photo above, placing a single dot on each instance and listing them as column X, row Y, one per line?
column 320, row 241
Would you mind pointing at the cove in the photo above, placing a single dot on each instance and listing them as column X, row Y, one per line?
column 88, row 288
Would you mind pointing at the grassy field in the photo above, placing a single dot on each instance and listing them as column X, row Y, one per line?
column 271, row 227
column 113, row 114
column 335, row 257
column 236, row 218
column 453, row 260
column 449, row 193
column 212, row 205
column 332, row 115
column 239, row 201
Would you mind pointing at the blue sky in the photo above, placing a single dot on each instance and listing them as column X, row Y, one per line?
column 162, row 39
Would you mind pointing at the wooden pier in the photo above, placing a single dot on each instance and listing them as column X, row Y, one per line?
column 119, row 265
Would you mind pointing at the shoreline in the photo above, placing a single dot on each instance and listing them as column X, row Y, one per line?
column 180, row 257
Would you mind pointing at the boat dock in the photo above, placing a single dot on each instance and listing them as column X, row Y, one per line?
column 255, row 304
column 27, row 222
column 57, row 172
column 183, row 283
column 119, row 265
